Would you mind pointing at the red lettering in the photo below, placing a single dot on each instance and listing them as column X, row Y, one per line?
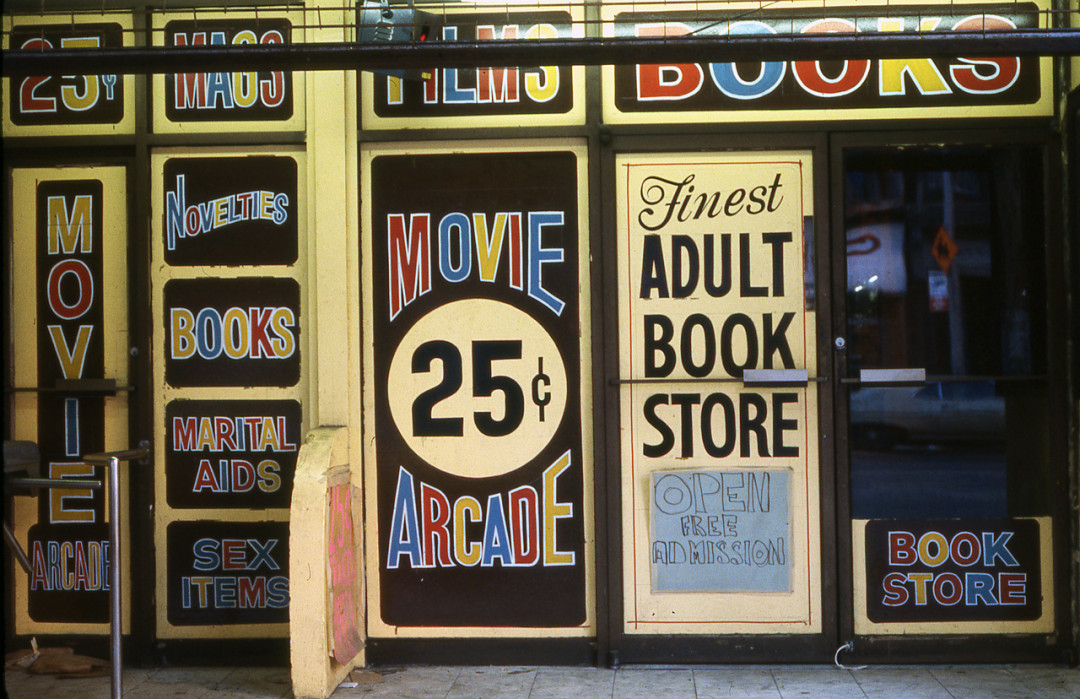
column 974, row 549
column 243, row 476
column 985, row 76
column 952, row 580
column 435, row 516
column 272, row 90
column 497, row 84
column 810, row 76
column 184, row 433
column 223, row 434
column 667, row 82
column 524, row 526
column 85, row 288
column 252, row 592
column 260, row 341
column 188, row 87
column 410, row 261
column 902, row 549
column 233, row 554
column 205, row 478
column 1012, row 588
column 895, row 592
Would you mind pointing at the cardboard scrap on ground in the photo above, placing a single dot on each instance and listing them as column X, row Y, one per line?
column 365, row 677
column 62, row 662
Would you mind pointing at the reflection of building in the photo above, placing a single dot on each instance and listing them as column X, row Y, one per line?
column 506, row 303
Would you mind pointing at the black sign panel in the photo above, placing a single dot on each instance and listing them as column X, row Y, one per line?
column 66, row 99
column 232, row 332
column 239, row 96
column 483, row 91
column 477, row 389
column 231, row 453
column 228, row 573
column 953, row 570
column 835, row 84
column 230, row 211
column 68, row 546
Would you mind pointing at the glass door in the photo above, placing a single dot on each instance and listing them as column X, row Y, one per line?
column 943, row 362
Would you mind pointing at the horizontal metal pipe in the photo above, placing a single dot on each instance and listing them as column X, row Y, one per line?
column 548, row 52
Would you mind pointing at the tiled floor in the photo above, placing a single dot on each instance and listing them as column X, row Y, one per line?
column 776, row 681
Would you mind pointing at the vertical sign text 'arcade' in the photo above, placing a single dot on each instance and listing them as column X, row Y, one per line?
column 477, row 352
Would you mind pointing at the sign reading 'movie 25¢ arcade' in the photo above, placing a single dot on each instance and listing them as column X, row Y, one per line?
column 476, row 351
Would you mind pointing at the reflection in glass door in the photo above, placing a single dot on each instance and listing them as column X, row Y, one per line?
column 944, row 329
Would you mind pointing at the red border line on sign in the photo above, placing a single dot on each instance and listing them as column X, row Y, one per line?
column 637, row 621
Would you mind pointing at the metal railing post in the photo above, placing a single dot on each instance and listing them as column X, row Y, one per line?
column 115, row 602
column 112, row 459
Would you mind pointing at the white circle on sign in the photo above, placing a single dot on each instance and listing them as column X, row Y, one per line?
column 477, row 388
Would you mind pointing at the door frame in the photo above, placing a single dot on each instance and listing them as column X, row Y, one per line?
column 736, row 648
column 1054, row 647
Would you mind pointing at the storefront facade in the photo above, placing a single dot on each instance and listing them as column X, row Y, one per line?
column 764, row 361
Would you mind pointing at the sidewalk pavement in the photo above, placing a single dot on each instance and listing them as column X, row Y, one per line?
column 650, row 682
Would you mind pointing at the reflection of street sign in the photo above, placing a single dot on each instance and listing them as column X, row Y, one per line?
column 944, row 249
column 939, row 290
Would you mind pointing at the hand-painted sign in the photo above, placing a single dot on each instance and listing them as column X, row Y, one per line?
column 227, row 573
column 237, row 96
column 835, row 85
column 485, row 91
column 713, row 287
column 231, row 453
column 230, row 211
column 232, row 332
column 953, row 570
column 68, row 546
column 345, row 615
column 66, row 99
column 475, row 335
column 721, row 530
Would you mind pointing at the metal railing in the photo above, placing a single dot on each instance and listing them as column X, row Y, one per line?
column 25, row 456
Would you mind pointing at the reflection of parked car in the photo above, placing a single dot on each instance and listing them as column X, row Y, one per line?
column 936, row 412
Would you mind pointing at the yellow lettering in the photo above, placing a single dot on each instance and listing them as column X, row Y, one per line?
column 928, row 79
column 554, row 511
column 65, row 230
